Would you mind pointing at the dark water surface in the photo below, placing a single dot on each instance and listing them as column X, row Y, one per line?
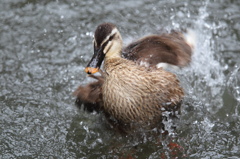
column 45, row 45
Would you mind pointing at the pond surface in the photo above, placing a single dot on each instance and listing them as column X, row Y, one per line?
column 45, row 45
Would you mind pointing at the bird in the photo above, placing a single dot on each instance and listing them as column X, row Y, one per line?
column 135, row 88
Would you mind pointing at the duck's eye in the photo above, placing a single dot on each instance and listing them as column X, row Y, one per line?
column 111, row 37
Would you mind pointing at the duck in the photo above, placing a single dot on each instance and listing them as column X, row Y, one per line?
column 134, row 89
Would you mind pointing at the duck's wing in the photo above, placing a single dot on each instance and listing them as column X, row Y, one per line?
column 153, row 50
column 90, row 96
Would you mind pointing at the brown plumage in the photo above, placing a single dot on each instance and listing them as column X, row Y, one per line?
column 127, row 91
column 90, row 95
column 168, row 48
column 133, row 93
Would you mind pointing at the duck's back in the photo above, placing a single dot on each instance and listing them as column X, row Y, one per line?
column 132, row 93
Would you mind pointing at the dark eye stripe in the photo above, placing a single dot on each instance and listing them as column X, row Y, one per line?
column 111, row 37
column 105, row 44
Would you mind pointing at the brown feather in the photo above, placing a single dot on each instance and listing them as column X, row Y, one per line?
column 90, row 95
column 132, row 93
column 154, row 49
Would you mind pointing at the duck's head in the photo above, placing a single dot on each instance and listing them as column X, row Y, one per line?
column 107, row 44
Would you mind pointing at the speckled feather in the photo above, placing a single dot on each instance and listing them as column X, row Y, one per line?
column 132, row 93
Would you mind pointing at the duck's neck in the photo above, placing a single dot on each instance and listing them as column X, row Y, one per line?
column 114, row 50
column 110, row 62
column 113, row 54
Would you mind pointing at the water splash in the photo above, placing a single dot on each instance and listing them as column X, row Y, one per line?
column 44, row 50
column 233, row 84
column 206, row 73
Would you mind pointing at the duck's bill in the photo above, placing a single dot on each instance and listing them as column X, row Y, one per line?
column 91, row 70
column 96, row 61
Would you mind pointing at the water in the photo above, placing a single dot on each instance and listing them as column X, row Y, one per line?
column 45, row 45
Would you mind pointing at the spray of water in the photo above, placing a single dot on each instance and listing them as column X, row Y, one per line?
column 206, row 73
column 233, row 85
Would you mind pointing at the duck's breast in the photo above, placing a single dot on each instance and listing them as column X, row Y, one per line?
column 132, row 93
